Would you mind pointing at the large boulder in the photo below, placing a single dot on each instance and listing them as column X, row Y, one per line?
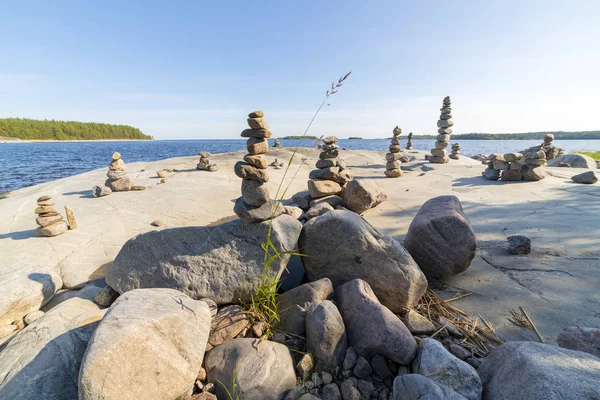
column 326, row 336
column 260, row 369
column 217, row 262
column 536, row 371
column 150, row 344
column 371, row 327
column 440, row 238
column 436, row 363
column 362, row 195
column 342, row 246
column 574, row 160
column 418, row 387
column 25, row 289
column 42, row 361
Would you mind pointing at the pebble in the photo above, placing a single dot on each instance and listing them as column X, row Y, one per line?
column 362, row 368
column 158, row 223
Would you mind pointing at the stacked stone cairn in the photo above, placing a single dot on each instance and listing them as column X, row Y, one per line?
column 392, row 167
column 409, row 145
column 204, row 162
column 439, row 155
column 51, row 222
column 516, row 166
column 118, row 181
column 331, row 173
column 455, row 154
column 255, row 204
column 547, row 147
column 277, row 143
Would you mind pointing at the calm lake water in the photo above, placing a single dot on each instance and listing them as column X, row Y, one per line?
column 27, row 164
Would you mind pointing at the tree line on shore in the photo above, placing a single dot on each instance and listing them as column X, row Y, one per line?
column 30, row 129
column 561, row 135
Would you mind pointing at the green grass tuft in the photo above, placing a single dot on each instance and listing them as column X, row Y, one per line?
column 594, row 154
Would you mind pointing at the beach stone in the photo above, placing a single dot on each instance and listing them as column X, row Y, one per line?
column 322, row 188
column 435, row 362
column 511, row 175
column 247, row 171
column 362, row 195
column 331, row 392
column 333, row 201
column 257, row 160
column 380, row 367
column 515, row 166
column 392, row 156
column 217, row 262
column 333, row 154
column 121, row 185
column 101, row 191
column 501, row 165
column 459, row 351
column 43, row 198
column 117, row 165
column 393, row 173
column 439, row 153
column 162, row 174
column 536, row 371
column 229, row 322
column 581, row 339
column 258, row 123
column 72, row 222
column 293, row 211
column 303, row 199
column 440, row 238
column 44, row 209
column 441, row 146
column 292, row 304
column 55, row 229
column 330, row 140
column 256, row 133
column 512, row 157
column 365, row 387
column 392, row 165
column 350, row 359
column 262, row 369
column 324, row 173
column 586, row 177
column 530, row 173
column 204, row 154
column 305, row 366
column 33, row 316
column 574, row 160
column 362, row 369
column 317, row 210
column 162, row 330
column 328, row 163
column 419, row 387
column 371, row 327
column 418, row 324
column 114, row 175
column 257, row 146
column 362, row 252
column 254, row 192
column 251, row 214
column 106, row 296
column 438, row 160
column 349, row 392
column 445, row 123
column 256, row 114
column 44, row 221
column 158, row 223
column 443, row 138
column 394, row 148
column 212, row 306
column 116, row 156
column 43, row 360
column 519, row 244
column 325, row 335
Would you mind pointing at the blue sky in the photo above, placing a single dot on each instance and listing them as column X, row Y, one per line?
column 194, row 69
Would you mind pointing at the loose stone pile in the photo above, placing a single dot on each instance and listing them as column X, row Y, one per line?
column 331, row 173
column 392, row 167
column 439, row 155
column 516, row 166
column 204, row 162
column 455, row 155
column 255, row 204
column 51, row 222
column 409, row 145
column 118, row 181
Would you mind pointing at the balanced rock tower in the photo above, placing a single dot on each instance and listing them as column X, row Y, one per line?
column 118, row 181
column 439, row 155
column 51, row 222
column 331, row 173
column 255, row 205
column 204, row 162
column 277, row 143
column 455, row 154
column 392, row 167
column 409, row 145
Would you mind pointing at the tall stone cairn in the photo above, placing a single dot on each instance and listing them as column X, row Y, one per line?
column 409, row 145
column 455, row 153
column 331, row 173
column 255, row 205
column 277, row 143
column 118, row 181
column 392, row 167
column 204, row 163
column 51, row 222
column 439, row 155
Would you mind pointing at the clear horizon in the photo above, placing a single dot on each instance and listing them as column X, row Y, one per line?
column 194, row 70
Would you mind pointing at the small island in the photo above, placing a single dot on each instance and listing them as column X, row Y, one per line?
column 299, row 137
column 31, row 129
column 354, row 138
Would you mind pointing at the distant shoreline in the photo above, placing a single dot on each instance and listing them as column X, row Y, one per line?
column 14, row 140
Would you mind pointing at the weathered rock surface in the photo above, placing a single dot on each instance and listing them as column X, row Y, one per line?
column 262, row 369
column 440, row 238
column 362, row 195
column 293, row 303
column 536, row 371
column 227, row 324
column 342, row 246
column 42, row 361
column 150, row 344
column 326, row 336
column 436, row 363
column 418, row 387
column 581, row 339
column 214, row 262
column 252, row 214
column 371, row 327
column 574, row 160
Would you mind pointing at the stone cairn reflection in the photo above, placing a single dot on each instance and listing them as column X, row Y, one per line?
column 455, row 153
column 118, row 181
column 331, row 173
column 255, row 204
column 409, row 145
column 51, row 222
column 392, row 167
column 517, row 166
column 439, row 155
column 204, row 162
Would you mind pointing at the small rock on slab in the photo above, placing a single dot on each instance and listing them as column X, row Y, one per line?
column 101, row 191
column 586, row 177
column 581, row 339
column 362, row 195
column 158, row 223
column 519, row 244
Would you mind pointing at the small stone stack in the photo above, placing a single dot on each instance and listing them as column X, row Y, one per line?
column 392, row 167
column 439, row 155
column 331, row 173
column 51, row 223
column 516, row 166
column 455, row 155
column 118, row 181
column 204, row 162
column 277, row 143
column 549, row 148
column 409, row 145
column 255, row 204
